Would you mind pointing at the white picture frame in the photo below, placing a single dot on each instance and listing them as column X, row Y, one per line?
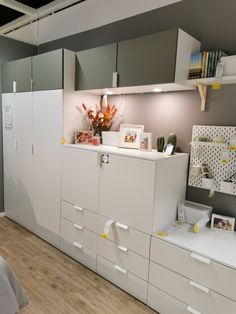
column 129, row 135
column 146, row 142
column 222, row 223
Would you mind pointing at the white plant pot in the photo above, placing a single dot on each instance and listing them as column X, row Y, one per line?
column 110, row 138
column 207, row 183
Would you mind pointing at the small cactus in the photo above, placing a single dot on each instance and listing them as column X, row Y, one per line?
column 160, row 143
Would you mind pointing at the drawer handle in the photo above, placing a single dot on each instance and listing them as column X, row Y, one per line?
column 121, row 226
column 199, row 287
column 121, row 270
column 77, row 245
column 80, row 209
column 122, row 248
column 78, row 227
column 193, row 311
column 200, row 258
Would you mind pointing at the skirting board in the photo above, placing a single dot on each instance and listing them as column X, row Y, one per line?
column 2, row 214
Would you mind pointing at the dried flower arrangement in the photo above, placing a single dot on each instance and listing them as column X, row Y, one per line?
column 101, row 119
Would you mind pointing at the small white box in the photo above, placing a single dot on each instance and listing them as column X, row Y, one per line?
column 207, row 183
column 110, row 138
column 193, row 212
column 229, row 65
column 227, row 187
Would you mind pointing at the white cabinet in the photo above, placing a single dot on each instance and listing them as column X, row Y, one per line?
column 18, row 162
column 127, row 191
column 32, row 161
column 80, row 178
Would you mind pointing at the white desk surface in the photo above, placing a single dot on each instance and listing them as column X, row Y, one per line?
column 216, row 245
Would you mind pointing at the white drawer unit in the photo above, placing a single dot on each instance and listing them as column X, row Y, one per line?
column 199, row 297
column 132, row 239
column 79, row 252
column 122, row 278
column 79, row 234
column 165, row 304
column 122, row 256
column 79, row 215
column 195, row 266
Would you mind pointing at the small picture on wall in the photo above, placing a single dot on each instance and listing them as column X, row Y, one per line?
column 146, row 141
column 83, row 137
column 129, row 135
column 223, row 223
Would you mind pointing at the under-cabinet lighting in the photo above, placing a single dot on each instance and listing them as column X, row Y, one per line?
column 157, row 90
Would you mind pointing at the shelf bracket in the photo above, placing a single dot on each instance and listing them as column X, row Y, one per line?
column 202, row 89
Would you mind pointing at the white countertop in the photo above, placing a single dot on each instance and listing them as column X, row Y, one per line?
column 216, row 245
column 152, row 155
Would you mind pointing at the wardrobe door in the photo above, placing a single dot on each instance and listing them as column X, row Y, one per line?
column 47, row 131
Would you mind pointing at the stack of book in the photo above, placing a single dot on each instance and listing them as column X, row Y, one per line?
column 203, row 64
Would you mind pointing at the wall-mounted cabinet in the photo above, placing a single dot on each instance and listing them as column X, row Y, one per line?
column 95, row 67
column 156, row 60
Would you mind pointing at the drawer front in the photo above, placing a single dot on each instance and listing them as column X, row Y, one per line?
column 164, row 303
column 79, row 234
column 123, row 279
column 134, row 240
column 208, row 273
column 79, row 215
column 120, row 255
column 82, row 254
column 190, row 292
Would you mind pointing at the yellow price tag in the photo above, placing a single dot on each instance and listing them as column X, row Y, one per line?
column 162, row 234
column 216, row 85
column 63, row 141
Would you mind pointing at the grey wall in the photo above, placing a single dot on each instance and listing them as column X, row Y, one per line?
column 10, row 50
column 211, row 21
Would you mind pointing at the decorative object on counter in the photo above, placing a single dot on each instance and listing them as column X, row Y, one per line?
column 129, row 135
column 160, row 143
column 169, row 149
column 172, row 139
column 83, row 137
column 101, row 119
column 223, row 223
column 146, row 142
column 95, row 140
column 110, row 138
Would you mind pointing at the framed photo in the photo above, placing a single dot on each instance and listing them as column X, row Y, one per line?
column 129, row 135
column 145, row 142
column 83, row 137
column 223, row 223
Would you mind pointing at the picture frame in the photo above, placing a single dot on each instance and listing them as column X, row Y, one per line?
column 83, row 137
column 223, row 223
column 129, row 135
column 145, row 142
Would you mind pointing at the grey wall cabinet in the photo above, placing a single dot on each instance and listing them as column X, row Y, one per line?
column 20, row 72
column 148, row 59
column 48, row 71
column 95, row 67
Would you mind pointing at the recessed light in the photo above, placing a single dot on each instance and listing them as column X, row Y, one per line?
column 157, row 90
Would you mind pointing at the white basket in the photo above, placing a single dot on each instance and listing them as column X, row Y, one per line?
column 110, row 138
column 227, row 187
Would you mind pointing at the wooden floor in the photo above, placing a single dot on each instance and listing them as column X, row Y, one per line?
column 55, row 283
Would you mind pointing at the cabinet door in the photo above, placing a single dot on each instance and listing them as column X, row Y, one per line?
column 127, row 191
column 80, row 178
column 47, row 130
column 24, row 158
column 9, row 159
column 23, row 75
column 148, row 59
column 95, row 67
column 48, row 71
column 8, row 76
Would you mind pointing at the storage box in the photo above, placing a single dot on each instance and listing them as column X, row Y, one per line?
column 193, row 212
column 110, row 138
column 229, row 65
column 207, row 183
column 227, row 187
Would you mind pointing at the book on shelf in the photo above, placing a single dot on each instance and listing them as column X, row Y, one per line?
column 203, row 64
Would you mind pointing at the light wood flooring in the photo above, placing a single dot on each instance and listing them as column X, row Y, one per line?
column 55, row 283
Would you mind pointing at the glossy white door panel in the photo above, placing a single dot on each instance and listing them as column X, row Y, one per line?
column 127, row 191
column 80, row 178
column 47, row 132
